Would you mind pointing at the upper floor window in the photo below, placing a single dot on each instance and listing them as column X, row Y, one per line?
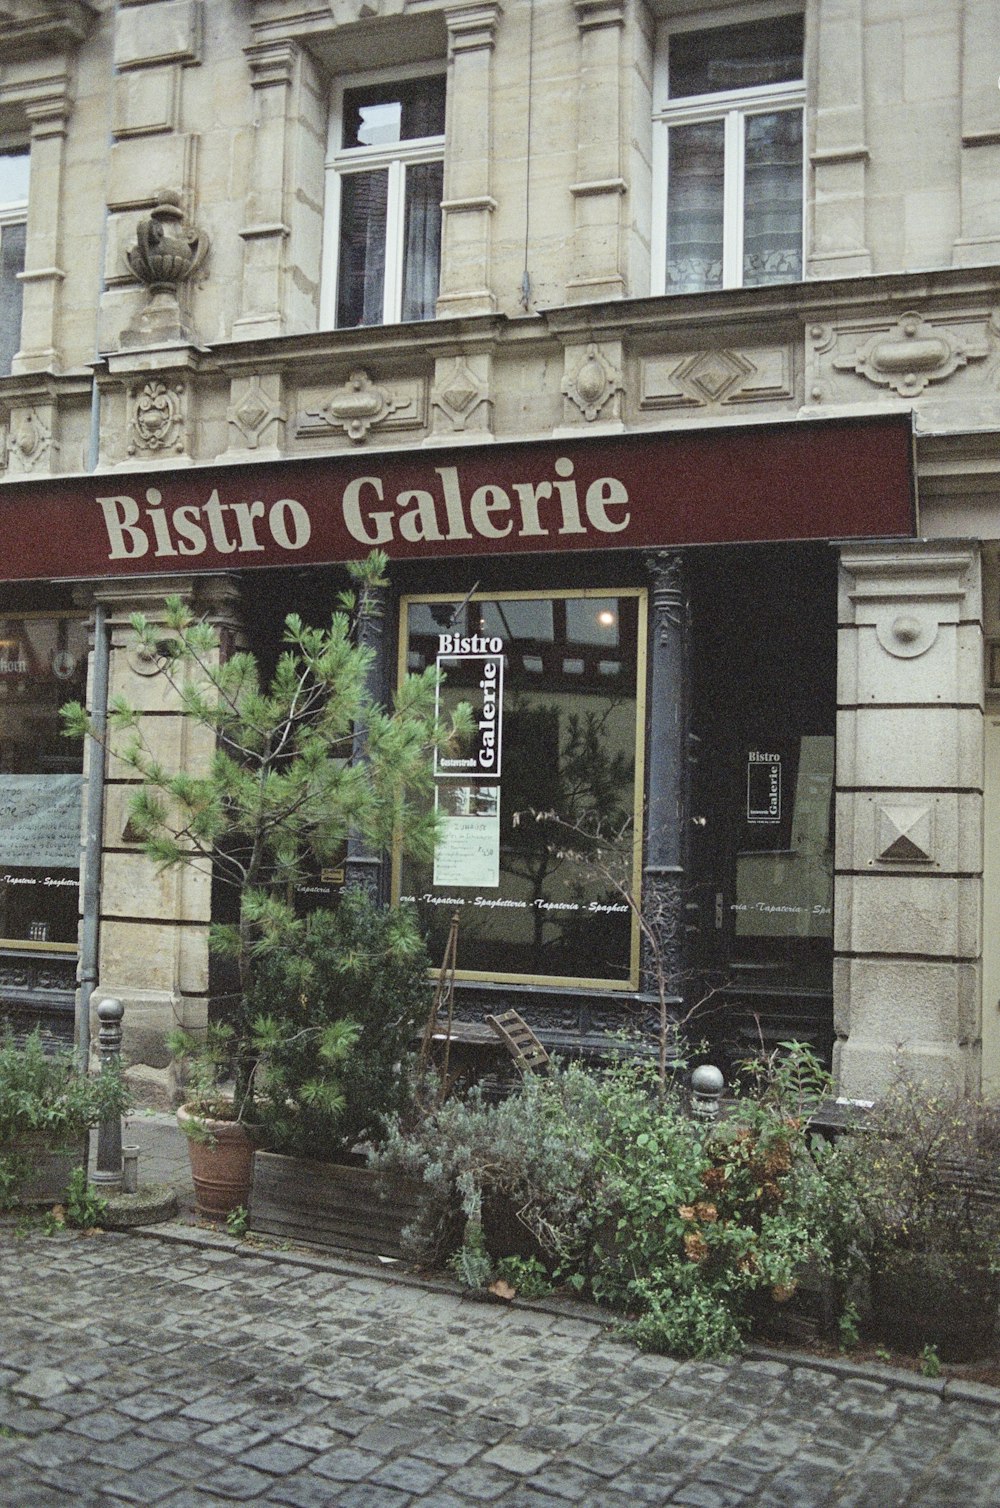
column 385, row 172
column 13, row 226
column 728, row 156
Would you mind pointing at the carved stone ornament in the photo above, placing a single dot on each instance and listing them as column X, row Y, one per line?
column 905, row 835
column 908, row 634
column 254, row 412
column 156, row 417
column 460, row 394
column 593, row 384
column 357, row 407
column 167, row 251
column 29, row 441
column 910, row 355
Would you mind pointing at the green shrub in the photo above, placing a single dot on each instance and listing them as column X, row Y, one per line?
column 49, row 1093
column 334, row 1017
column 680, row 1223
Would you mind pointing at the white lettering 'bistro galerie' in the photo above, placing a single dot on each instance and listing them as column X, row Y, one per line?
column 552, row 507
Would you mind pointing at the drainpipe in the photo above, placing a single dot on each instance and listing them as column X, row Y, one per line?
column 90, row 879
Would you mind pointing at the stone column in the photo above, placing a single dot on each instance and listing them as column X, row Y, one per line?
column 365, row 867
column 979, row 238
column 468, row 206
column 667, row 779
column 47, row 110
column 908, row 888
column 154, row 925
column 836, row 245
column 600, row 187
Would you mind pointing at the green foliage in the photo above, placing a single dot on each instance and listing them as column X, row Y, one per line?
column 206, row 1062
column 526, row 1275
column 930, row 1362
column 237, row 1222
column 334, row 1011
column 915, row 1179
column 678, row 1222
column 471, row 1263
column 49, row 1094
column 284, row 786
column 83, row 1207
column 848, row 1327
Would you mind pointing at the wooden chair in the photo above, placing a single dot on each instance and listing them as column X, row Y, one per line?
column 520, row 1041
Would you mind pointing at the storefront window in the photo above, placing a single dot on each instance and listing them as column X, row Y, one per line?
column 555, row 682
column 43, row 663
column 784, row 869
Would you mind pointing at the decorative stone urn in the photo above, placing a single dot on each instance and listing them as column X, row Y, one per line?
column 166, row 254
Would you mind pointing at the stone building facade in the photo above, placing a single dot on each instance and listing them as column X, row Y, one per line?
column 658, row 342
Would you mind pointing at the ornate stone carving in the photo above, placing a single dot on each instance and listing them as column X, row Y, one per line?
column 29, row 441
column 460, row 394
column 707, row 379
column 905, row 835
column 356, row 408
column 156, row 417
column 256, row 409
column 910, row 354
column 594, row 383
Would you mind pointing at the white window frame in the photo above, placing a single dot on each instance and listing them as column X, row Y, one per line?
column 733, row 107
column 396, row 157
column 14, row 211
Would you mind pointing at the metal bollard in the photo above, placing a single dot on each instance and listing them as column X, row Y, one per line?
column 707, row 1084
column 108, row 1175
column 130, row 1169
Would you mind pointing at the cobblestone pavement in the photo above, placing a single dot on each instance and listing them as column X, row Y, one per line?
column 141, row 1371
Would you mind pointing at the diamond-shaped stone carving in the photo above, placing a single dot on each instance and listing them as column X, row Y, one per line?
column 905, row 835
column 713, row 374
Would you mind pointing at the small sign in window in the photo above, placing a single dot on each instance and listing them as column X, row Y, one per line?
column 763, row 787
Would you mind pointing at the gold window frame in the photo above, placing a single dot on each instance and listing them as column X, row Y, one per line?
column 641, row 598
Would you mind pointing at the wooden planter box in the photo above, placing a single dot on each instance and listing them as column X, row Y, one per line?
column 47, row 1168
column 345, row 1206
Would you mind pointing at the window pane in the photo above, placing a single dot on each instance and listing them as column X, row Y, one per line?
column 564, row 732
column 11, row 293
column 43, row 663
column 14, row 168
column 422, row 253
column 735, row 57
column 695, row 207
column 772, row 225
column 384, row 113
column 361, row 275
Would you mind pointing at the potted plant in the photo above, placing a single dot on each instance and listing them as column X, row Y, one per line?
column 220, row 1142
column 340, row 1006
column 923, row 1171
column 48, row 1103
column 298, row 766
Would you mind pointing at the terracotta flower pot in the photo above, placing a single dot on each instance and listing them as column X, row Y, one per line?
column 221, row 1153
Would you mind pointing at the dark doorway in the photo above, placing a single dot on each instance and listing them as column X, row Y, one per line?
column 764, row 658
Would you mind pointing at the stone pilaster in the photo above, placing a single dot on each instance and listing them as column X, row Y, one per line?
column 274, row 71
column 979, row 236
column 600, row 186
column 468, row 206
column 668, row 770
column 908, row 889
column 839, row 156
column 154, row 925
column 47, row 108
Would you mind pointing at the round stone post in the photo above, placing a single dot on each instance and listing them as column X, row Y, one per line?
column 108, row 1175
